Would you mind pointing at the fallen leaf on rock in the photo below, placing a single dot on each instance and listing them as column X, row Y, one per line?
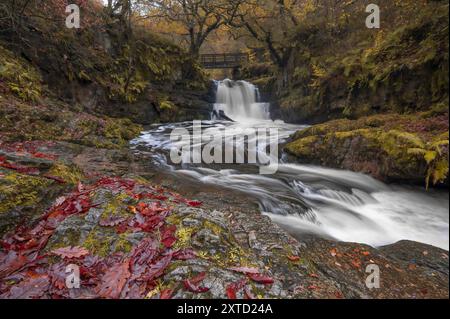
column 71, row 252
column 114, row 280
column 166, row 294
column 144, row 252
column 157, row 269
column 194, row 203
column 262, row 279
column 293, row 258
column 235, row 287
column 356, row 263
column 192, row 284
column 30, row 288
column 168, row 238
column 11, row 262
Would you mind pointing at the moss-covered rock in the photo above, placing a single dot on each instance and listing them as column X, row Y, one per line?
column 412, row 148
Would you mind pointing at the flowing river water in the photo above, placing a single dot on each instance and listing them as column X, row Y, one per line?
column 303, row 199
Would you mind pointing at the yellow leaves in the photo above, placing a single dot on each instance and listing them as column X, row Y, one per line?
column 184, row 235
column 437, row 161
column 430, row 156
column 318, row 71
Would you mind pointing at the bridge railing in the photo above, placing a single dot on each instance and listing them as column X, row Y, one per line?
column 223, row 61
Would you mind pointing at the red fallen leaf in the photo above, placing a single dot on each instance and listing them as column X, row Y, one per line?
column 152, row 196
column 141, row 206
column 71, row 252
column 198, row 279
column 314, row 275
column 356, row 263
column 231, row 292
column 153, row 209
column 168, row 236
column 32, row 287
column 234, row 287
column 44, row 156
column 293, row 258
column 194, row 288
column 245, row 270
column 121, row 228
column 114, row 280
column 11, row 262
column 153, row 222
column 20, row 169
column 157, row 269
column 313, row 287
column 168, row 242
column 365, row 253
column 262, row 279
column 192, row 284
column 144, row 252
column 184, row 254
column 166, row 294
column 57, row 273
column 194, row 203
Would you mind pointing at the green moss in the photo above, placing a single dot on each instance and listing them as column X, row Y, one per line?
column 99, row 242
column 302, row 147
column 17, row 190
column 390, row 146
column 70, row 174
column 20, row 77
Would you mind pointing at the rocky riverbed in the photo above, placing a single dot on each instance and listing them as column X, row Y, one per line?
column 106, row 211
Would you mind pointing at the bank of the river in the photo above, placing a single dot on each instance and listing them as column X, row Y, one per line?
column 409, row 148
column 68, row 179
column 59, row 194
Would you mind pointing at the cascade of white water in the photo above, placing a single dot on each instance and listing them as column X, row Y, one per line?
column 239, row 101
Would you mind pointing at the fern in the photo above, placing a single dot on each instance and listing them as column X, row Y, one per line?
column 436, row 159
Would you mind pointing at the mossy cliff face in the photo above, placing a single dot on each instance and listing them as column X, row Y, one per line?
column 104, row 68
column 351, row 71
column 391, row 147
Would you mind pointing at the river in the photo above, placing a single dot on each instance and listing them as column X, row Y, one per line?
column 303, row 199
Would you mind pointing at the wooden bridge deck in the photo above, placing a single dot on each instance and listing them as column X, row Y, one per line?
column 223, row 61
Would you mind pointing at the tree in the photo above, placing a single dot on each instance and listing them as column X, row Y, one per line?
column 271, row 23
column 195, row 19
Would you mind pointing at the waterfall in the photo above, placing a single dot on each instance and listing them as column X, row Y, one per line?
column 239, row 100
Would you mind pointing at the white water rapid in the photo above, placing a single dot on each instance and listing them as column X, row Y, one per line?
column 240, row 101
column 306, row 199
